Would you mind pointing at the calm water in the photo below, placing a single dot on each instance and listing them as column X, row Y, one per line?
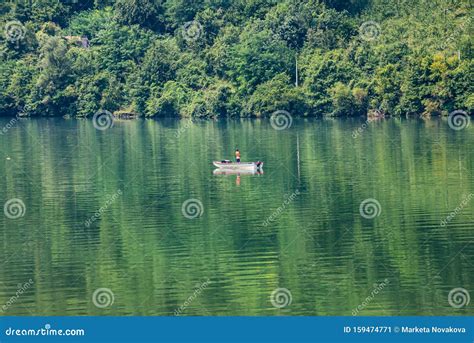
column 297, row 226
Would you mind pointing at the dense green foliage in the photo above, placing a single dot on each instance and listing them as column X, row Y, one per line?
column 237, row 57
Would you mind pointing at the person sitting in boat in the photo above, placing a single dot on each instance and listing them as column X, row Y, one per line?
column 237, row 155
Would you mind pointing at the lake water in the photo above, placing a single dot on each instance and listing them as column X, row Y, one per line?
column 132, row 221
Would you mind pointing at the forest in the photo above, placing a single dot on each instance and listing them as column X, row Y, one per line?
column 236, row 58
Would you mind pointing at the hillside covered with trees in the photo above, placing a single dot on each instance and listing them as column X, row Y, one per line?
column 210, row 58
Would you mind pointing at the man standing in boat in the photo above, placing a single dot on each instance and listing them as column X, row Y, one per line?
column 237, row 155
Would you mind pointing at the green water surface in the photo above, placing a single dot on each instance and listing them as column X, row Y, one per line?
column 104, row 209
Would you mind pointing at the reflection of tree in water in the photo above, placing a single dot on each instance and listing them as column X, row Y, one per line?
column 319, row 246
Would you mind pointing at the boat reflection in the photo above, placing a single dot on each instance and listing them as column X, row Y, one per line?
column 237, row 172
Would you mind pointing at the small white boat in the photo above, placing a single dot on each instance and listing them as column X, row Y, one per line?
column 238, row 165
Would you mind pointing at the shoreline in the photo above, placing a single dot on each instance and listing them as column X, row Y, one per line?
column 197, row 119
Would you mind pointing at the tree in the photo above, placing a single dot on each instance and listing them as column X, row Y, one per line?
column 55, row 75
column 146, row 13
column 160, row 62
column 48, row 10
column 276, row 94
column 178, row 12
column 347, row 101
column 257, row 58
column 387, row 87
column 321, row 71
column 352, row 6
column 168, row 100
